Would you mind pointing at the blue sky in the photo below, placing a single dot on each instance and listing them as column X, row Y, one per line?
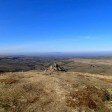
column 55, row 26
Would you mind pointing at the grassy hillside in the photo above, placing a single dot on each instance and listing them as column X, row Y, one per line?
column 55, row 92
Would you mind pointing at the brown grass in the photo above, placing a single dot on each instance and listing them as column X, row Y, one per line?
column 59, row 92
column 90, row 97
column 8, row 81
column 106, row 80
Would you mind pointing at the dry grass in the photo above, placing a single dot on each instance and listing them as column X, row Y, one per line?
column 90, row 97
column 106, row 80
column 8, row 81
column 59, row 92
column 94, row 61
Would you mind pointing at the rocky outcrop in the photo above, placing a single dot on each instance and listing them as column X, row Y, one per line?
column 56, row 67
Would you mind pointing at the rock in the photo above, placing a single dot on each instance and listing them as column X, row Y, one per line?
column 56, row 67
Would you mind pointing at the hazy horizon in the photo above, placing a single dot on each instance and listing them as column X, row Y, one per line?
column 62, row 54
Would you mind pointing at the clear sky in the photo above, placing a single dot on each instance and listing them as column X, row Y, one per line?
column 55, row 26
